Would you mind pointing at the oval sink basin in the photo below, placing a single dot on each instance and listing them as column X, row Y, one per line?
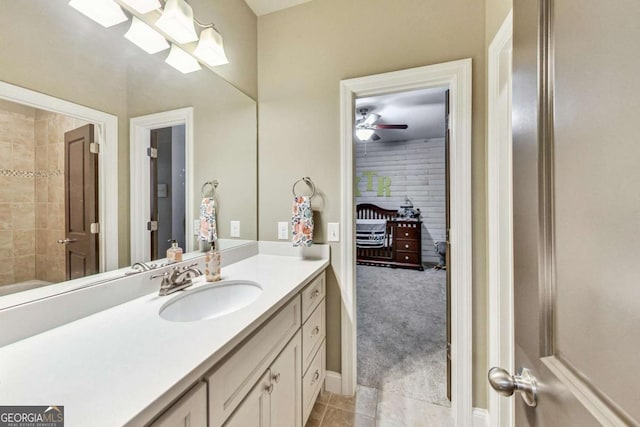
column 211, row 301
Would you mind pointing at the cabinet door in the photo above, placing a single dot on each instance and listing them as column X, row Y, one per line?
column 254, row 410
column 189, row 411
column 286, row 379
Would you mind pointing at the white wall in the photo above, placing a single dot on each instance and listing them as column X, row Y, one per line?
column 416, row 170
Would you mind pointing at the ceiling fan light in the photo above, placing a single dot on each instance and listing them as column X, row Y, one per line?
column 182, row 61
column 210, row 48
column 105, row 12
column 143, row 6
column 363, row 134
column 371, row 119
column 177, row 21
column 145, row 37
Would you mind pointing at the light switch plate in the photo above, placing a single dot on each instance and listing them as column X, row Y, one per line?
column 333, row 231
column 283, row 230
column 235, row 228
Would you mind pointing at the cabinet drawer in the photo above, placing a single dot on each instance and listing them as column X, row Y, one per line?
column 406, row 245
column 232, row 379
column 190, row 410
column 407, row 257
column 313, row 333
column 406, row 233
column 312, row 382
column 312, row 295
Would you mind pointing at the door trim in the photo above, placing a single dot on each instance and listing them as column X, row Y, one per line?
column 106, row 126
column 500, row 218
column 457, row 76
column 140, row 132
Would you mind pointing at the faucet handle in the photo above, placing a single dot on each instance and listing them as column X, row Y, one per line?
column 163, row 275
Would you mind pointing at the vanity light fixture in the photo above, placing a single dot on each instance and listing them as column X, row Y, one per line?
column 145, row 37
column 363, row 134
column 181, row 60
column 177, row 21
column 143, row 6
column 105, row 12
column 210, row 49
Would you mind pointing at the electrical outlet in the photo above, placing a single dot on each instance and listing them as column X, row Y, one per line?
column 333, row 231
column 235, row 228
column 283, row 230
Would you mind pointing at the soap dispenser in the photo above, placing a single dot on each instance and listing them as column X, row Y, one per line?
column 212, row 264
column 174, row 253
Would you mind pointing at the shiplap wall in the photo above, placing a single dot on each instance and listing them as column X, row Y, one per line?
column 417, row 170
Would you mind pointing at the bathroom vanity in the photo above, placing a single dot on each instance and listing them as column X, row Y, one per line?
column 262, row 364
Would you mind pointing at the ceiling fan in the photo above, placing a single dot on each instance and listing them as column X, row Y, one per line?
column 366, row 126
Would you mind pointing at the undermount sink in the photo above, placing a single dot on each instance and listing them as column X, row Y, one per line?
column 211, row 301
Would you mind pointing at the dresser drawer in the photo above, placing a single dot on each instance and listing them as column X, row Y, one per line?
column 406, row 233
column 232, row 379
column 312, row 295
column 312, row 382
column 313, row 333
column 406, row 245
column 407, row 257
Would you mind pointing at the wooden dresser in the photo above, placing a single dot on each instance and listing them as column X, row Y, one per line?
column 407, row 243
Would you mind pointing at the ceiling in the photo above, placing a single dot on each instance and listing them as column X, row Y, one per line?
column 262, row 7
column 422, row 110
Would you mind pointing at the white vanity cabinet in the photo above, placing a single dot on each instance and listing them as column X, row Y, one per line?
column 272, row 378
column 276, row 399
column 190, row 410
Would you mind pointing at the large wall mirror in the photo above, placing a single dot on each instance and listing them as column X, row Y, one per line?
column 55, row 192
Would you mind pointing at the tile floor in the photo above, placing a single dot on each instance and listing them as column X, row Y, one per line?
column 371, row 407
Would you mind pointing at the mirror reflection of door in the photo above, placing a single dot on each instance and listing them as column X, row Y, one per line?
column 167, row 181
column 81, row 203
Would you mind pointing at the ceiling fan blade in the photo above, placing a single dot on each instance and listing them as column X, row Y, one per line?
column 375, row 137
column 390, row 126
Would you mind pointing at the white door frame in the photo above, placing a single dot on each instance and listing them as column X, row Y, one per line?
column 500, row 213
column 456, row 75
column 140, row 128
column 106, row 130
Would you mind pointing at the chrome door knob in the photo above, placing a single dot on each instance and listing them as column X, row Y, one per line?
column 506, row 384
column 66, row 241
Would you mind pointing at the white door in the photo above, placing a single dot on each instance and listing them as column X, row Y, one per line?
column 576, row 180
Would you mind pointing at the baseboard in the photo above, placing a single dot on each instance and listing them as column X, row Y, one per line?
column 333, row 382
column 480, row 417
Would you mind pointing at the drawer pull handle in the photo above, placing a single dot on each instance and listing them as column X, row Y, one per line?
column 276, row 378
column 406, row 246
column 406, row 257
column 315, row 331
column 315, row 377
column 406, row 234
column 314, row 294
column 269, row 388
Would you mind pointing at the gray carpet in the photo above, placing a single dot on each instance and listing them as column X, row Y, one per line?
column 402, row 332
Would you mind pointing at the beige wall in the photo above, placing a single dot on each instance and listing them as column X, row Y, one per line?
column 303, row 53
column 70, row 57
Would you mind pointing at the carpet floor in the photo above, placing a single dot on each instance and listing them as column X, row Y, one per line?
column 402, row 332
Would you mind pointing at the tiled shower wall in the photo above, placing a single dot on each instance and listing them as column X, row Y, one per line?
column 17, row 194
column 32, row 193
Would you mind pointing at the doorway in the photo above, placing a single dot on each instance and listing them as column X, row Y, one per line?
column 456, row 76
column 401, row 244
column 167, row 191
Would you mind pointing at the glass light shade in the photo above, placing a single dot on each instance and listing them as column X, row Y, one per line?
column 145, row 37
column 105, row 12
column 143, row 6
column 371, row 119
column 177, row 21
column 210, row 49
column 364, row 134
column 181, row 60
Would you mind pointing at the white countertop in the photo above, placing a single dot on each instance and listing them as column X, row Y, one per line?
column 124, row 364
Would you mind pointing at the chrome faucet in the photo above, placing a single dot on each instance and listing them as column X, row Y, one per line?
column 179, row 278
